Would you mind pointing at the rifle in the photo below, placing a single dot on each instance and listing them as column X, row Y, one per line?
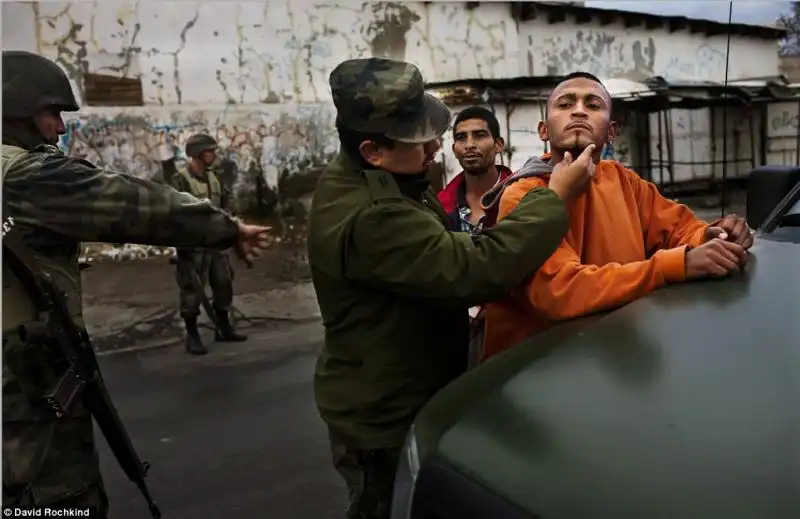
column 83, row 377
column 201, row 290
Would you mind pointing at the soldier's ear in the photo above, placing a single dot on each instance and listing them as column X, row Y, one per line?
column 372, row 152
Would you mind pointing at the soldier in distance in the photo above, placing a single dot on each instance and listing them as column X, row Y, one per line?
column 196, row 267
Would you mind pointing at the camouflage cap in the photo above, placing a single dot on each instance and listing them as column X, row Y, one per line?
column 384, row 96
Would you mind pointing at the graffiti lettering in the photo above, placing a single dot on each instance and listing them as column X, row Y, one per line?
column 707, row 64
column 785, row 120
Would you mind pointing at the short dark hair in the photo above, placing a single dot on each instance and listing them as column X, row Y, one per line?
column 478, row 112
column 582, row 75
column 350, row 141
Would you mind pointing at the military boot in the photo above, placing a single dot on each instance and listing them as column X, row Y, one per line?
column 194, row 344
column 226, row 333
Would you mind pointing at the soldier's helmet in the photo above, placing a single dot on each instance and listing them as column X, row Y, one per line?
column 198, row 143
column 32, row 83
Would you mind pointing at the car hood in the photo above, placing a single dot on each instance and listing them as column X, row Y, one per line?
column 685, row 403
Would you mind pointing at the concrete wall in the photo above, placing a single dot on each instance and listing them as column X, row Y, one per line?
column 782, row 133
column 638, row 53
column 255, row 74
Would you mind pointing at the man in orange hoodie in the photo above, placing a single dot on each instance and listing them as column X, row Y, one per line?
column 625, row 238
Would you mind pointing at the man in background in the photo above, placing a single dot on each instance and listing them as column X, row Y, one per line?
column 625, row 238
column 197, row 267
column 476, row 145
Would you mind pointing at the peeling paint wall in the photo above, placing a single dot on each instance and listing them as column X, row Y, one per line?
column 249, row 53
column 637, row 53
column 255, row 75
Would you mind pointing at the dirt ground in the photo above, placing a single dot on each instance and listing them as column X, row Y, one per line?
column 134, row 303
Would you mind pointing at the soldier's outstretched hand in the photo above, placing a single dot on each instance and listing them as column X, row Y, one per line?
column 252, row 242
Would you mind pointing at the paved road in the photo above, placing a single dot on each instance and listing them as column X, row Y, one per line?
column 231, row 434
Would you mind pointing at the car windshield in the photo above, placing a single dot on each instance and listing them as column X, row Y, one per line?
column 784, row 221
column 792, row 216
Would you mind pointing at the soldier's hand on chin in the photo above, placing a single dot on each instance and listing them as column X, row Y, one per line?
column 252, row 242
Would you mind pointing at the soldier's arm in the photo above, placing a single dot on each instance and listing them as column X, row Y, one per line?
column 74, row 198
column 397, row 247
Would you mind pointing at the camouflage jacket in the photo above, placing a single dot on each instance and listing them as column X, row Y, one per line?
column 56, row 202
column 394, row 286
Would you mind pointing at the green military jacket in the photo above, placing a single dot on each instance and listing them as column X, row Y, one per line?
column 394, row 287
column 56, row 202
column 208, row 188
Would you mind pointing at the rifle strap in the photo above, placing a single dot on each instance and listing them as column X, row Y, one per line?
column 23, row 263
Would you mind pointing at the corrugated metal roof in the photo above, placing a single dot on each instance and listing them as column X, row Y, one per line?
column 621, row 88
column 649, row 95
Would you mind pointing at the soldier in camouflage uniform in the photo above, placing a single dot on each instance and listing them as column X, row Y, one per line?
column 196, row 267
column 56, row 202
column 392, row 281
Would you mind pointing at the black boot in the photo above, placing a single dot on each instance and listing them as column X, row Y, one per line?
column 226, row 333
column 194, row 344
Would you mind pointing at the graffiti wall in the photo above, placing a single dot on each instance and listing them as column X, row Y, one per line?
column 264, row 142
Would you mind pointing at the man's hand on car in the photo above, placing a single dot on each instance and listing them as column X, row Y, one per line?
column 715, row 258
column 734, row 229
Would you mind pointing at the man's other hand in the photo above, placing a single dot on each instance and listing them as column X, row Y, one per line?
column 733, row 229
column 716, row 258
column 252, row 242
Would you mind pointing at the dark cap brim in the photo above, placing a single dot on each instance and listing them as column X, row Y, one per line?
column 430, row 125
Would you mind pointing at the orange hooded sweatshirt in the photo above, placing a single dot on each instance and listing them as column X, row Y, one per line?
column 624, row 241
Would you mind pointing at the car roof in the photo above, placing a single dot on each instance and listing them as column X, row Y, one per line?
column 685, row 403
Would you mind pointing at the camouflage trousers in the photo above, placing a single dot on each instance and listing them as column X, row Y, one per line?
column 212, row 268
column 46, row 462
column 369, row 476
